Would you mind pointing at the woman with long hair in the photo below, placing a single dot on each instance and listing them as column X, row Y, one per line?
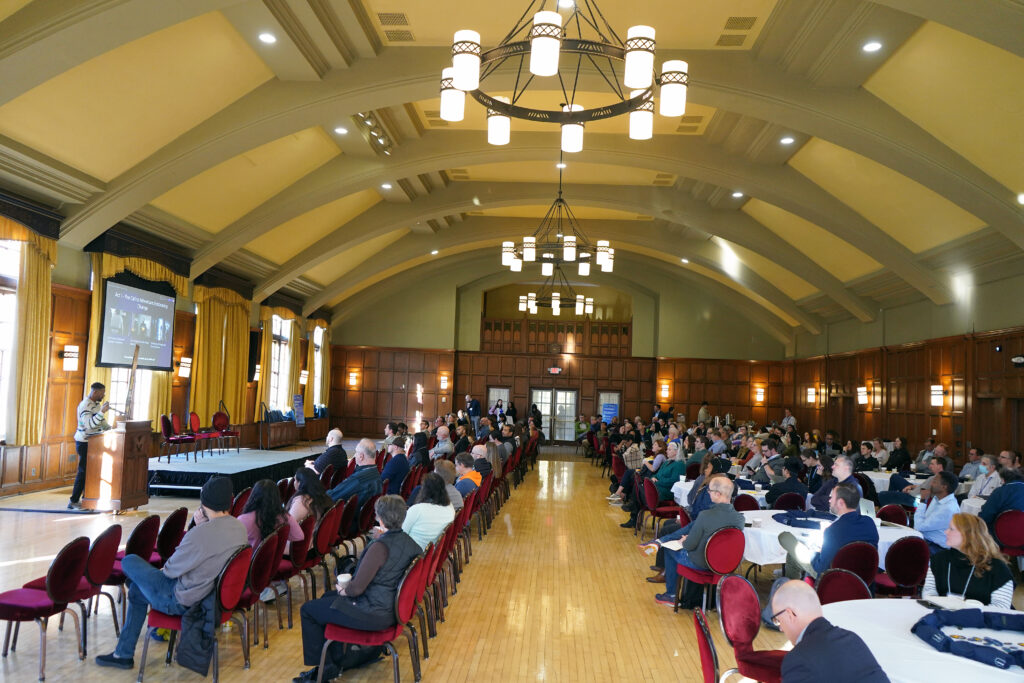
column 430, row 512
column 494, row 457
column 900, row 459
column 263, row 513
column 310, row 497
column 972, row 567
column 418, row 454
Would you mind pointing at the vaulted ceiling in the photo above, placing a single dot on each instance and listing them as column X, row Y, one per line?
column 905, row 168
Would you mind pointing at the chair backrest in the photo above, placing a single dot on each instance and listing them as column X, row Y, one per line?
column 176, row 423
column 262, row 566
column 171, row 533
column 351, row 467
column 231, row 581
column 706, row 647
column 220, row 421
column 66, row 570
column 839, row 585
column 348, row 513
column 692, row 471
column 426, row 564
column 193, row 421
column 739, row 611
column 283, row 486
column 282, row 545
column 650, row 494
column 684, row 517
column 860, row 557
column 618, row 467
column 469, row 506
column 102, row 555
column 300, row 549
column 384, row 484
column 907, row 561
column 338, row 477
column 746, row 503
column 724, row 550
column 240, row 500
column 405, row 599
column 379, row 461
column 142, row 539
column 893, row 513
column 789, row 501
column 166, row 428
column 366, row 514
column 1009, row 528
column 326, row 530
column 326, row 476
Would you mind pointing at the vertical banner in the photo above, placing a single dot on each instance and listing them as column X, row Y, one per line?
column 300, row 411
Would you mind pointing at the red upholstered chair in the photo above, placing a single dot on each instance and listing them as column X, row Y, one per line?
column 405, row 607
column 204, row 437
column 238, row 504
column 422, row 609
column 260, row 569
column 1009, row 529
column 618, row 467
column 692, row 471
column 286, row 488
column 367, row 515
column 706, row 647
column 351, row 467
column 466, row 531
column 859, row 557
column 325, row 532
column 893, row 513
column 379, row 461
column 222, row 427
column 176, row 424
column 326, row 476
column 141, row 542
column 229, row 587
column 722, row 554
column 347, row 533
column 282, row 546
column 339, row 476
column 739, row 613
column 789, row 501
column 293, row 566
column 839, row 585
column 746, row 503
column 906, row 566
column 32, row 604
column 171, row 533
column 657, row 509
column 409, row 483
column 171, row 440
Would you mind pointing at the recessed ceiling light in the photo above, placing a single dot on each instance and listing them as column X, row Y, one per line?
column 340, row 130
column 385, row 186
column 787, row 140
column 737, row 194
column 267, row 38
column 560, row 165
column 685, row 260
column 872, row 46
column 1020, row 198
column 434, row 253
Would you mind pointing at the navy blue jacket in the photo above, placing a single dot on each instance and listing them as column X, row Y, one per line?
column 395, row 472
column 1006, row 497
column 819, row 501
column 473, row 408
column 833, row 654
column 363, row 482
column 851, row 527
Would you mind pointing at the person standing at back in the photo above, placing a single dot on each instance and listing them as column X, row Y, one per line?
column 473, row 411
column 90, row 422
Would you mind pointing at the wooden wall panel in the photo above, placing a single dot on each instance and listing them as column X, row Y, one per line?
column 184, row 345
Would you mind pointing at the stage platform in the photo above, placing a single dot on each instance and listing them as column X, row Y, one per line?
column 245, row 468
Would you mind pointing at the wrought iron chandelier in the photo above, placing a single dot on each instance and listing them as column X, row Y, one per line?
column 551, row 295
column 535, row 46
column 558, row 239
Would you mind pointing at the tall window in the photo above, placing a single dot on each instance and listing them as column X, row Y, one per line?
column 280, row 363
column 10, row 259
column 318, row 364
column 117, row 392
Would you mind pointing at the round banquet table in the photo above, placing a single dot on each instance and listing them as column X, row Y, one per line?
column 972, row 506
column 879, row 479
column 884, row 625
column 680, row 489
column 762, row 543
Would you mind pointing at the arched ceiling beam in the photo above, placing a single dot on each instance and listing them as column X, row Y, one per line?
column 998, row 22
column 625, row 235
column 732, row 81
column 685, row 156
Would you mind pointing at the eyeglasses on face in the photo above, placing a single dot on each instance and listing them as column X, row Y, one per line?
column 775, row 617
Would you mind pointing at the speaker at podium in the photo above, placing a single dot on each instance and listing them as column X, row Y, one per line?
column 117, row 472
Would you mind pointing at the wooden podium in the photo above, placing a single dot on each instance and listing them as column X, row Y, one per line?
column 117, row 471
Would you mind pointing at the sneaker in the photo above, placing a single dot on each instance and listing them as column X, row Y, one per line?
column 155, row 634
column 665, row 599
column 74, row 506
column 614, row 496
column 268, row 595
column 116, row 662
column 617, row 502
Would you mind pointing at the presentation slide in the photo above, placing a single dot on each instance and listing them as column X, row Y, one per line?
column 133, row 317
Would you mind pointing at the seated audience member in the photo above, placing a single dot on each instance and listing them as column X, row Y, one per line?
column 770, row 470
column 842, row 473
column 334, row 455
column 364, row 482
column 625, row 486
column 430, row 513
column 791, row 483
column 390, row 432
column 187, row 577
column 263, row 513
column 507, row 441
column 417, row 450
column 462, row 442
column 878, row 450
column 972, row 468
column 1009, row 460
column 925, row 454
column 987, row 480
column 812, row 461
column 1009, row 496
column 483, row 428
column 849, row 526
column 720, row 515
column 468, row 478
column 829, row 445
column 396, row 469
column 971, row 567
column 899, row 459
column 309, row 498
column 754, row 456
column 443, row 446
column 821, row 651
column 480, row 461
column 902, row 492
column 669, row 472
column 932, row 519
column 367, row 601
column 700, row 447
column 866, row 461
column 718, row 445
column 446, row 470
column 494, row 454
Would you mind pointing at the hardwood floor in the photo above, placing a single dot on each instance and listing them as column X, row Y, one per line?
column 555, row 592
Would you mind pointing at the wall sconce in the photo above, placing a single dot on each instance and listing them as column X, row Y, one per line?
column 812, row 395
column 937, row 396
column 185, row 367
column 70, row 356
column 256, row 374
column 419, row 394
column 759, row 395
column 664, row 390
column 353, row 379
column 303, row 377
column 444, row 382
column 862, row 395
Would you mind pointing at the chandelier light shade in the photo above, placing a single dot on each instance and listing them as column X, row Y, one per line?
column 572, row 133
column 508, row 253
column 529, row 248
column 453, row 100
column 547, row 268
column 602, row 252
column 517, row 265
column 579, row 304
column 499, row 126
column 609, row 262
column 639, row 70
column 555, row 303
column 588, row 307
column 545, row 41
column 522, row 302
column 674, row 78
column 584, row 268
column 569, row 247
column 466, row 60
column 641, row 121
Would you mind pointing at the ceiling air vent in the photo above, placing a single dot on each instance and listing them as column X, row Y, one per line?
column 399, row 36
column 433, row 117
column 458, row 174
column 727, row 39
column 688, row 129
column 664, row 179
column 400, row 19
column 691, row 119
column 739, row 23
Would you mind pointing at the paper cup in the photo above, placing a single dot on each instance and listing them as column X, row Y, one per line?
column 343, row 580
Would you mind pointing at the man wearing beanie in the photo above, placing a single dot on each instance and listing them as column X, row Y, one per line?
column 188, row 576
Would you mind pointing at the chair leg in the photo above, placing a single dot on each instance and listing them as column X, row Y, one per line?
column 7, row 638
column 85, row 627
column 14, row 643
column 171, row 639
column 42, row 648
column 394, row 660
column 323, row 659
column 244, row 625
column 266, row 627
column 424, row 634
column 414, row 652
column 216, row 660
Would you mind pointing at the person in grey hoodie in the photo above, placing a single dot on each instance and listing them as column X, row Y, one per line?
column 189, row 574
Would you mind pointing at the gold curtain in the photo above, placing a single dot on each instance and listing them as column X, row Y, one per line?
column 297, row 334
column 291, row 380
column 325, row 353
column 38, row 256
column 221, row 353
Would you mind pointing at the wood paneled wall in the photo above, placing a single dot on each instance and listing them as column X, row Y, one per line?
column 184, row 345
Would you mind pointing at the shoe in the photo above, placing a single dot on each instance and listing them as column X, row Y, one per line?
column 116, row 662
column 657, row 578
column 617, row 502
column 628, row 525
column 665, row 599
column 614, row 496
column 268, row 595
column 656, row 568
column 306, row 676
column 74, row 506
column 156, row 635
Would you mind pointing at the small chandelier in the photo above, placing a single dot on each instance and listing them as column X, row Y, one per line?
column 538, row 43
column 557, row 240
column 556, row 293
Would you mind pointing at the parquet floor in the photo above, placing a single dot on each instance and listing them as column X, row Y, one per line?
column 555, row 592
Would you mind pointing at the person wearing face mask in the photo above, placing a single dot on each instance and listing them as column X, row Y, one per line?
column 988, row 479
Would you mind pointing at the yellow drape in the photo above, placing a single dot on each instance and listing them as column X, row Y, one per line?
column 298, row 326
column 220, row 355
column 325, row 377
column 38, row 255
column 291, row 380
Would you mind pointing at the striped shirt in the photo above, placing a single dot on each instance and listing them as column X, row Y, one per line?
column 90, row 419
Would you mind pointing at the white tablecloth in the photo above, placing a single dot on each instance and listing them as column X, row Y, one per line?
column 880, row 480
column 679, row 491
column 972, row 506
column 762, row 543
column 884, row 625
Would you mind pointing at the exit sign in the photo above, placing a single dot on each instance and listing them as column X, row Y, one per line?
column 554, row 371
